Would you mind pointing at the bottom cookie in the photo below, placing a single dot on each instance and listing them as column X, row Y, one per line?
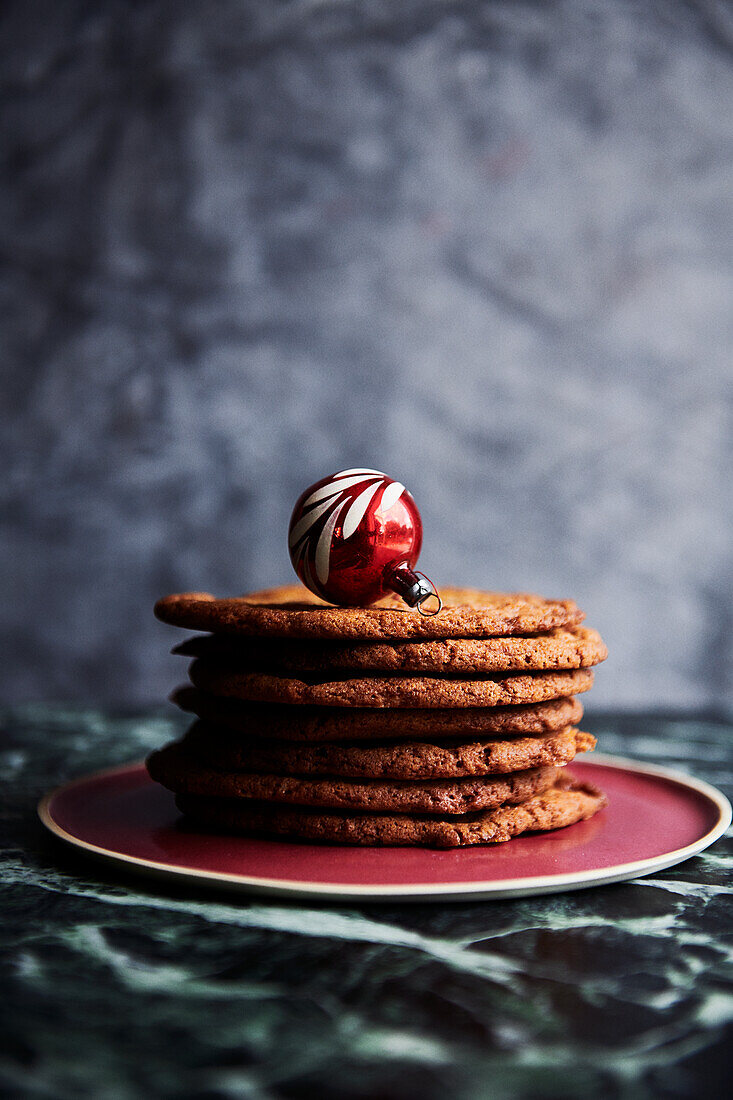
column 565, row 803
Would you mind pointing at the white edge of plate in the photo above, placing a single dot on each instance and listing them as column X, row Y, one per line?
column 476, row 891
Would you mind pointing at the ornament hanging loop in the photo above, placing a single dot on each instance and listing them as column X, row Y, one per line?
column 416, row 589
column 433, row 598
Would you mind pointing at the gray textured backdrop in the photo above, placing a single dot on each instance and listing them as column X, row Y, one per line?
column 486, row 247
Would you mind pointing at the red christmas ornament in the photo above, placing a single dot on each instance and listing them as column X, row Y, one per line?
column 355, row 537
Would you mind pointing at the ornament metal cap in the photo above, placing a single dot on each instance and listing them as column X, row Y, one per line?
column 416, row 589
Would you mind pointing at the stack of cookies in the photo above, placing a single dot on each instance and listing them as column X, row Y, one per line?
column 378, row 725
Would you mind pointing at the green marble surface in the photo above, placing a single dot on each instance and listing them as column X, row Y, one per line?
column 119, row 987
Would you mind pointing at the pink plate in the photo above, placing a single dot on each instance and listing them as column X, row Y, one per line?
column 655, row 818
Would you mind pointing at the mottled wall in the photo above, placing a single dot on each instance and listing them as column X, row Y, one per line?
column 486, row 247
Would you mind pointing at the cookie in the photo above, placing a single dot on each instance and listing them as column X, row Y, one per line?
column 581, row 647
column 388, row 691
column 288, row 723
column 293, row 612
column 564, row 803
column 225, row 751
column 180, row 771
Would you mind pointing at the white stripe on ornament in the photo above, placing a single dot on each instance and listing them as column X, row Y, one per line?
column 390, row 496
column 323, row 549
column 332, row 488
column 307, row 521
column 355, row 514
column 345, row 473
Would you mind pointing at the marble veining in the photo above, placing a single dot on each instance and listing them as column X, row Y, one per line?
column 124, row 987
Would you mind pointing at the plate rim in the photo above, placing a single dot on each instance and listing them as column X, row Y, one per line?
column 454, row 891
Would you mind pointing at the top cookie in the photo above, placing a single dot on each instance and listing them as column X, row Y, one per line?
column 291, row 611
